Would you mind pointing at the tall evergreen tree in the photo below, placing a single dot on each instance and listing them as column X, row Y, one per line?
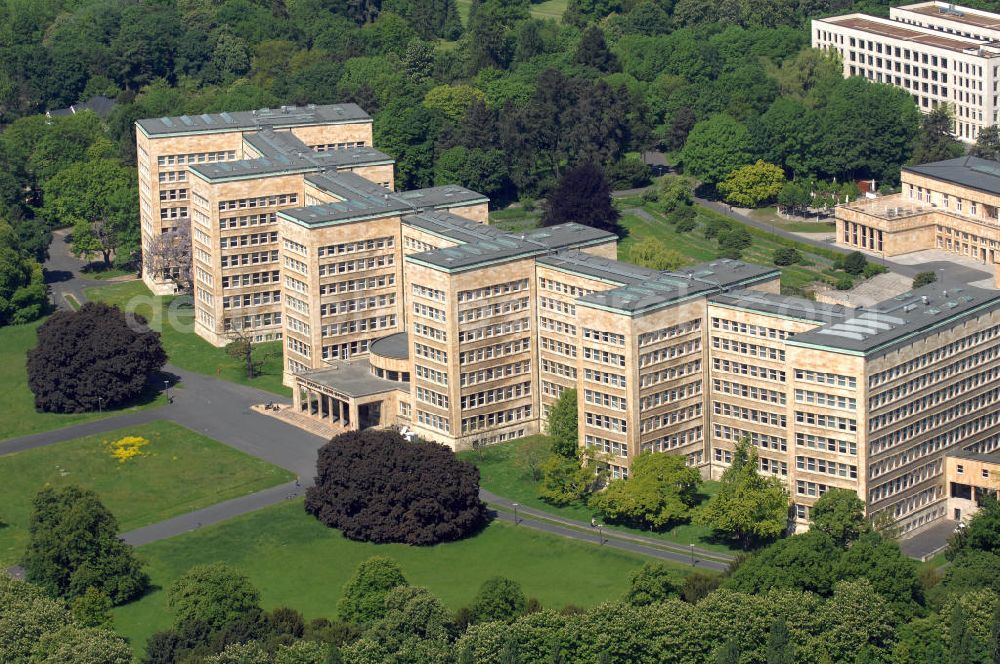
column 779, row 647
column 562, row 425
column 934, row 140
column 582, row 195
column 593, row 51
column 987, row 144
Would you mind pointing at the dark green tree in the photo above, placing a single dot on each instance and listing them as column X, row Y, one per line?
column 593, row 51
column 74, row 546
column 716, row 147
column 363, row 598
column 728, row 653
column 935, row 141
column 377, row 486
column 987, row 144
column 779, row 646
column 854, row 263
column 583, row 196
column 93, row 358
column 562, row 425
column 650, row 584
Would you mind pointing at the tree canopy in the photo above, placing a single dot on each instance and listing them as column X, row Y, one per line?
column 97, row 357
column 377, row 486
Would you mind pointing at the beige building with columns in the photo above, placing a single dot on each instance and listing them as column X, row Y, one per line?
column 408, row 309
column 951, row 205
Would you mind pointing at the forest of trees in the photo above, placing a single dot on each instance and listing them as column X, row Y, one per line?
column 504, row 103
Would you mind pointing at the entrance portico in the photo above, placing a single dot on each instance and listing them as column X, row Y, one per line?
column 352, row 395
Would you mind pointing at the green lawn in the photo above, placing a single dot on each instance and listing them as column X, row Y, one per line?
column 500, row 475
column 549, row 9
column 770, row 215
column 17, row 403
column 795, row 279
column 99, row 271
column 174, row 318
column 515, row 219
column 296, row 561
column 179, row 471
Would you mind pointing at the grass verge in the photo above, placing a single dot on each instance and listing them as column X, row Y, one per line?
column 500, row 474
column 173, row 317
column 296, row 561
column 179, row 471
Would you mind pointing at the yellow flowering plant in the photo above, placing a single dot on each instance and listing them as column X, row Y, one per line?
column 127, row 448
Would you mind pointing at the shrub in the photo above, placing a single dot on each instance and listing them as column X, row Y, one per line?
column 844, row 282
column 786, row 256
column 854, row 263
column 923, row 279
column 872, row 269
column 715, row 226
column 498, row 599
column 737, row 238
column 376, row 486
column 652, row 253
column 565, row 481
column 660, row 492
column 91, row 358
column 628, row 174
column 686, row 226
column 212, row 596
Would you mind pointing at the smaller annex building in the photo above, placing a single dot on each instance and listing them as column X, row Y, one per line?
column 951, row 205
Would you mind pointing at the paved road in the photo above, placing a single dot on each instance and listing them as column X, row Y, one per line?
column 62, row 272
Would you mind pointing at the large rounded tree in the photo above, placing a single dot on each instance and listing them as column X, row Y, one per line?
column 92, row 358
column 376, row 486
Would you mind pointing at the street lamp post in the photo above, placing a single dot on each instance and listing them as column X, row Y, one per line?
column 166, row 389
column 600, row 533
column 692, row 554
column 515, row 513
column 100, row 405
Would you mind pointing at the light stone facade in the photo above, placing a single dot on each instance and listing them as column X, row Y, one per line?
column 407, row 309
column 939, row 53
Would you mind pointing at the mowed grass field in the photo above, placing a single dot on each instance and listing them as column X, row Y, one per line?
column 18, row 416
column 550, row 9
column 179, row 471
column 501, row 474
column 173, row 317
column 296, row 561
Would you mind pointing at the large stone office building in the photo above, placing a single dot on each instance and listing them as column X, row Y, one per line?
column 939, row 53
column 407, row 309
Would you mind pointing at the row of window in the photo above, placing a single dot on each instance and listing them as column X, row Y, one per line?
column 494, row 373
column 761, row 440
column 493, row 290
column 357, row 265
column 752, row 350
column 824, row 399
column 495, row 330
column 669, row 373
column 496, row 418
column 824, row 467
column 647, row 338
column 354, row 285
column 950, row 439
column 359, row 325
column 661, row 420
column 604, row 336
column 432, row 397
column 252, row 258
column 248, row 220
column 935, row 356
column 428, row 292
column 422, row 330
column 357, row 304
column 894, row 394
column 249, row 240
column 673, row 440
column 429, row 374
column 356, row 246
column 667, row 353
column 258, row 202
column 670, row 395
column 496, row 395
column 491, row 310
column 942, row 395
column 251, row 299
column 749, row 414
column 839, row 380
column 195, row 158
column 749, row 391
column 493, row 351
column 743, row 369
column 612, row 401
column 750, row 329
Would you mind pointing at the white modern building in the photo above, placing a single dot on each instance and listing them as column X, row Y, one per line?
column 940, row 53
